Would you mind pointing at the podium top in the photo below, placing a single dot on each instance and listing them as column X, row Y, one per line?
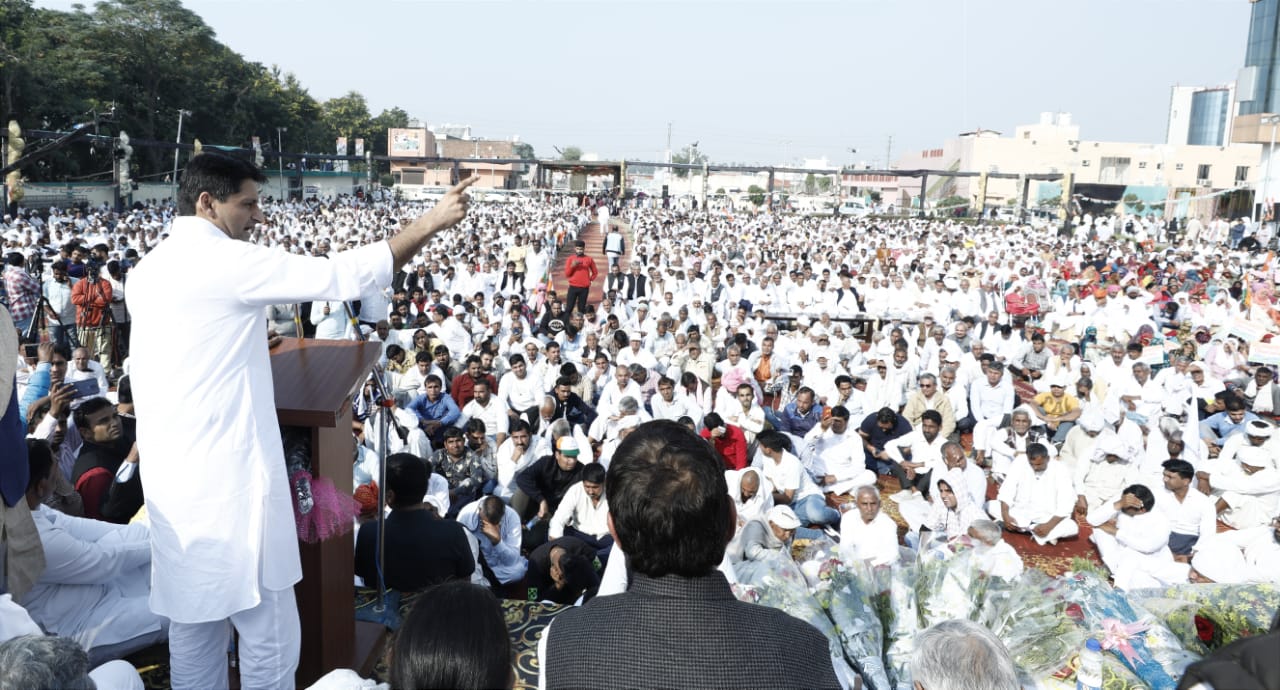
column 314, row 379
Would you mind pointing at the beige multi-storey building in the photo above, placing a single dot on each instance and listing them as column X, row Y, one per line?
column 1054, row 145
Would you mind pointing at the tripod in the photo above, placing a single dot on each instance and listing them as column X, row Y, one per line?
column 38, row 323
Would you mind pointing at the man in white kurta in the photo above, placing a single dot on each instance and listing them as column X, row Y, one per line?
column 1133, row 540
column 1037, row 498
column 223, row 540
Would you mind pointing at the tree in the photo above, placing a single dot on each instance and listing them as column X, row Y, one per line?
column 689, row 155
column 347, row 116
column 570, row 153
column 755, row 194
column 824, row 184
column 523, row 150
column 810, row 184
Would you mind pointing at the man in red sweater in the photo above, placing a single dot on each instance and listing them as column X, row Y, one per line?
column 728, row 439
column 579, row 270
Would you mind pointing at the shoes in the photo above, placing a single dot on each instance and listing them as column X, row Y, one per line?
column 831, row 532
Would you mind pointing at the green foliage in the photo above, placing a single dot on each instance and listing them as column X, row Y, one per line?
column 523, row 150
column 150, row 58
column 755, row 194
column 571, row 153
column 688, row 155
column 824, row 184
column 810, row 184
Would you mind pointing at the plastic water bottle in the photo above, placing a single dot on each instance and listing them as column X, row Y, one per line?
column 1089, row 675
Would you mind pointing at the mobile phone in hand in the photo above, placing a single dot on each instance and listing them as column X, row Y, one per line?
column 86, row 388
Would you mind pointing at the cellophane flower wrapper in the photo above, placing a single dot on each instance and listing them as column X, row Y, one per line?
column 1160, row 657
column 948, row 583
column 776, row 582
column 856, row 622
column 1027, row 615
column 1178, row 615
column 904, row 624
column 814, row 555
column 1235, row 610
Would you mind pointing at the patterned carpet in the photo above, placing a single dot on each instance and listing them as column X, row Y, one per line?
column 525, row 622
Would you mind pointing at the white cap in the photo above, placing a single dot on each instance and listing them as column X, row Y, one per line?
column 783, row 517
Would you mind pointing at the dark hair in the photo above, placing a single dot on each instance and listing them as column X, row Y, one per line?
column 594, row 473
column 422, row 356
column 15, row 259
column 1143, row 494
column 473, row 424
column 712, row 421
column 669, row 501
column 1182, row 468
column 453, row 432
column 124, row 390
column 1037, row 450
column 88, row 407
column 492, row 509
column 518, row 425
column 886, row 415
column 932, row 416
column 39, row 461
column 515, row 359
column 773, row 440
column 1235, row 403
column 407, row 476
column 454, row 637
column 220, row 176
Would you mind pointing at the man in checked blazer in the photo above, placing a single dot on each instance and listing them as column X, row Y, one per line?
column 678, row 624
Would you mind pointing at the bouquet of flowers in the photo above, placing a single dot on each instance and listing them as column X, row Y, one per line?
column 777, row 582
column 856, row 623
column 1144, row 643
column 1026, row 615
column 1226, row 612
column 948, row 583
column 903, row 624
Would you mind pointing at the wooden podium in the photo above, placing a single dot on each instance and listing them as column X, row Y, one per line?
column 314, row 383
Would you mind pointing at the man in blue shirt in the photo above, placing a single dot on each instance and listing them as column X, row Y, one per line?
column 801, row 414
column 435, row 409
column 1218, row 428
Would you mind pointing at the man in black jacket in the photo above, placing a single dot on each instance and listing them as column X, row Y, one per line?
column 421, row 549
column 678, row 625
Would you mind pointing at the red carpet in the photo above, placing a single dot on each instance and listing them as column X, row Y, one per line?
column 594, row 238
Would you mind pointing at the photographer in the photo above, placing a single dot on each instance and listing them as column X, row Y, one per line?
column 92, row 298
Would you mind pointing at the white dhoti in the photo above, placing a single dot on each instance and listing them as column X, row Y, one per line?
column 1132, row 569
column 1029, row 517
column 1249, row 510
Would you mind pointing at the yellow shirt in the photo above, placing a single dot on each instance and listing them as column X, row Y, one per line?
column 1057, row 406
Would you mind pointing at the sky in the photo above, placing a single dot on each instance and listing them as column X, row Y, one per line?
column 750, row 81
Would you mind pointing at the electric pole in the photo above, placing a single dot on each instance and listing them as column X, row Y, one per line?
column 888, row 154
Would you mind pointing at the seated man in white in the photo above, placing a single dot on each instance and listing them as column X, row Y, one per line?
column 995, row 557
column 867, row 534
column 1133, row 540
column 673, row 404
column 1104, row 476
column 584, row 512
column 1008, row 445
column 1037, row 499
column 495, row 527
column 1246, row 556
column 97, row 576
column 750, row 492
column 1244, row 478
column 917, row 456
column 1191, row 514
column 789, row 482
column 832, row 446
column 951, row 509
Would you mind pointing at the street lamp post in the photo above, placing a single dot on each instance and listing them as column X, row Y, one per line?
column 1272, row 120
column 284, row 193
column 181, row 114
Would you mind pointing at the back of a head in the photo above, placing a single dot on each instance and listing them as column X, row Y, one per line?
column 454, row 637
column 962, row 655
column 219, row 175
column 407, row 477
column 43, row 662
column 669, row 501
